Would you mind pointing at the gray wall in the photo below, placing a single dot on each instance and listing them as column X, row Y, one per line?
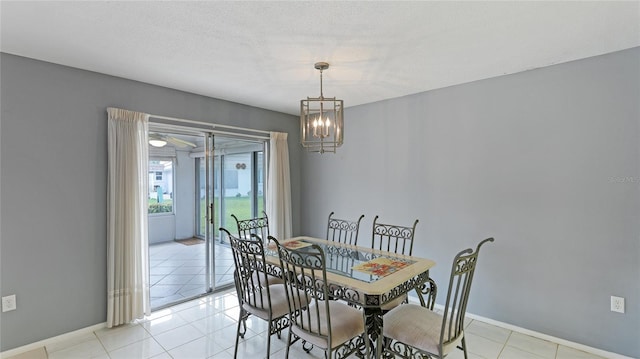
column 53, row 148
column 546, row 161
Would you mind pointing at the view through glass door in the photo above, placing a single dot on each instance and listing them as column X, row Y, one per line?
column 192, row 192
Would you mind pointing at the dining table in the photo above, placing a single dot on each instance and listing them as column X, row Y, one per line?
column 363, row 277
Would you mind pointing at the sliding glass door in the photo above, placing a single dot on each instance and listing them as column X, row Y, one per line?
column 196, row 181
column 241, row 195
column 180, row 258
column 238, row 175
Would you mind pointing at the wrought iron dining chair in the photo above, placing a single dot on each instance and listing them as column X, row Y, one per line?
column 330, row 325
column 343, row 230
column 256, row 297
column 257, row 225
column 392, row 237
column 269, row 274
column 399, row 239
column 411, row 330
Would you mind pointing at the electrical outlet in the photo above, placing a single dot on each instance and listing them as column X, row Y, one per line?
column 9, row 303
column 617, row 304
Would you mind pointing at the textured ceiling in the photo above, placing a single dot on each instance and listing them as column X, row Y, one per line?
column 262, row 53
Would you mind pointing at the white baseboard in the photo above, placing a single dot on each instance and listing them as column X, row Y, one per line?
column 566, row 343
column 53, row 340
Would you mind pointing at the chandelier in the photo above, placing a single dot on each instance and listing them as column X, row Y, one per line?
column 321, row 122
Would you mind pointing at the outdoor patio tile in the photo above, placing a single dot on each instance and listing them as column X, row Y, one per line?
column 162, row 270
column 189, row 270
column 184, row 266
column 159, row 290
column 176, row 279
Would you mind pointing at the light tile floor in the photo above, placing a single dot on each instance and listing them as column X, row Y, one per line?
column 206, row 328
column 177, row 271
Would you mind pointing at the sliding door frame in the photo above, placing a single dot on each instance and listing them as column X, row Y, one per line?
column 205, row 130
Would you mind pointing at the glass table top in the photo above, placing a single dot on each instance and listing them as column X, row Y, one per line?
column 351, row 261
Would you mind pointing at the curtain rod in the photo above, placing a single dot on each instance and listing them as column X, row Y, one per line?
column 207, row 124
column 196, row 131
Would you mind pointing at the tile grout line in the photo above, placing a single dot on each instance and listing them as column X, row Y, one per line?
column 102, row 344
column 504, row 346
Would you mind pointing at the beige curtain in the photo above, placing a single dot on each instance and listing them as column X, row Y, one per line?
column 127, row 239
column 279, row 187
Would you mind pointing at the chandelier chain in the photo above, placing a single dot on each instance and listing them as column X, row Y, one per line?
column 321, row 94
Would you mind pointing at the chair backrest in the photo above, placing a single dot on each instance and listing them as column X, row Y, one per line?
column 306, row 288
column 462, row 270
column 258, row 226
column 343, row 230
column 393, row 238
column 248, row 257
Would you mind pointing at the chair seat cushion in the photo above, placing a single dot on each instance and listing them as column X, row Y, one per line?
column 394, row 303
column 266, row 279
column 346, row 323
column 258, row 305
column 416, row 326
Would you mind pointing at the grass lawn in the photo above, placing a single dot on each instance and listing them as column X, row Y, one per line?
column 240, row 206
